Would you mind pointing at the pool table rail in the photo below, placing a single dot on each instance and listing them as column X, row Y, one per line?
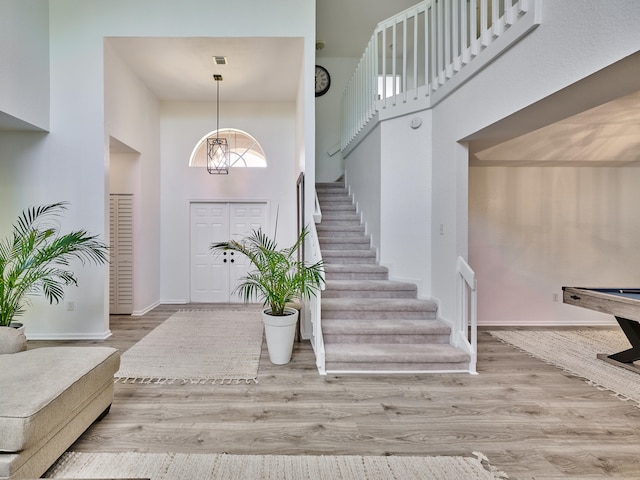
column 600, row 301
column 624, row 305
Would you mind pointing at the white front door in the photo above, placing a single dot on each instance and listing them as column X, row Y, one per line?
column 215, row 276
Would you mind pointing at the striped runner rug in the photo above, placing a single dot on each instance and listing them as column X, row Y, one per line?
column 197, row 346
column 575, row 351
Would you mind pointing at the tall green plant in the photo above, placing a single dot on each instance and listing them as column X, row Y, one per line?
column 278, row 277
column 36, row 257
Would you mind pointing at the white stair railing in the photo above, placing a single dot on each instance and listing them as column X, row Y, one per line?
column 466, row 335
column 314, row 255
column 418, row 57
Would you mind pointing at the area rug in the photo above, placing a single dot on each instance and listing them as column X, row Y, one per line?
column 161, row 466
column 197, row 346
column 575, row 352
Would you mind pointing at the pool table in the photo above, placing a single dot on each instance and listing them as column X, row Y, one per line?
column 624, row 305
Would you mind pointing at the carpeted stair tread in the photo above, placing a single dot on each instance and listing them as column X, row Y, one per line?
column 337, row 204
column 385, row 327
column 338, row 207
column 369, row 288
column 331, row 240
column 370, row 323
column 362, row 271
column 331, row 193
column 349, row 256
column 329, row 185
column 340, row 230
column 345, row 219
column 379, row 304
column 379, row 354
column 358, row 268
column 345, row 243
column 369, row 285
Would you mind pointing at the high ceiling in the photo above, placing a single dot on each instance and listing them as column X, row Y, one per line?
column 267, row 69
column 259, row 69
column 345, row 26
column 181, row 69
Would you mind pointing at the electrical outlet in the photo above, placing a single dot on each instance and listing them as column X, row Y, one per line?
column 71, row 306
column 555, row 297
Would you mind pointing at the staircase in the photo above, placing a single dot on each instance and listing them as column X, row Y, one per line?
column 371, row 323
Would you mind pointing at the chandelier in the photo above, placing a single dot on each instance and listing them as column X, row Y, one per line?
column 217, row 148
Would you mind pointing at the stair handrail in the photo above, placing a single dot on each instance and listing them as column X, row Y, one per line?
column 315, row 303
column 317, row 211
column 468, row 311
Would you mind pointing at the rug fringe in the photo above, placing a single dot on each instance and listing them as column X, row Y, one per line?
column 238, row 309
column 168, row 466
column 484, row 460
column 184, row 381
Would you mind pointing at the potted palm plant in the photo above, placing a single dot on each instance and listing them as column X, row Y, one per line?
column 278, row 278
column 36, row 257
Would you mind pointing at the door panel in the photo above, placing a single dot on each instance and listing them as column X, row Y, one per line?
column 215, row 276
column 209, row 276
column 244, row 217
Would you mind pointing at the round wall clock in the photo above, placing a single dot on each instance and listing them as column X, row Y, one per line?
column 323, row 81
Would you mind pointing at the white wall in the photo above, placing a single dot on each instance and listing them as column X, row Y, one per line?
column 20, row 183
column 24, row 53
column 328, row 118
column 124, row 173
column 72, row 162
column 534, row 230
column 405, row 200
column 362, row 178
column 575, row 39
column 388, row 174
column 132, row 116
column 273, row 125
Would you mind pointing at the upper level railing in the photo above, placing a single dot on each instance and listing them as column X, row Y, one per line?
column 418, row 57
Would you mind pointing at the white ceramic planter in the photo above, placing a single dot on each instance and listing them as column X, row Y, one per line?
column 18, row 326
column 12, row 340
column 280, row 333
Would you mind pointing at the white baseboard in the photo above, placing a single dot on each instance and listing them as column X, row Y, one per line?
column 70, row 336
column 139, row 313
column 546, row 323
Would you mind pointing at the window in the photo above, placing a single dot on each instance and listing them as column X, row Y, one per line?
column 245, row 151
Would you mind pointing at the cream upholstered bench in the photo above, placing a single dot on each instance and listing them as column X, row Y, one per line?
column 49, row 397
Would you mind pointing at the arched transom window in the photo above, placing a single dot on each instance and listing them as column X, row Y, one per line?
column 245, row 151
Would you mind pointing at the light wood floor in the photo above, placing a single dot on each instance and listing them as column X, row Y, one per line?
column 530, row 419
